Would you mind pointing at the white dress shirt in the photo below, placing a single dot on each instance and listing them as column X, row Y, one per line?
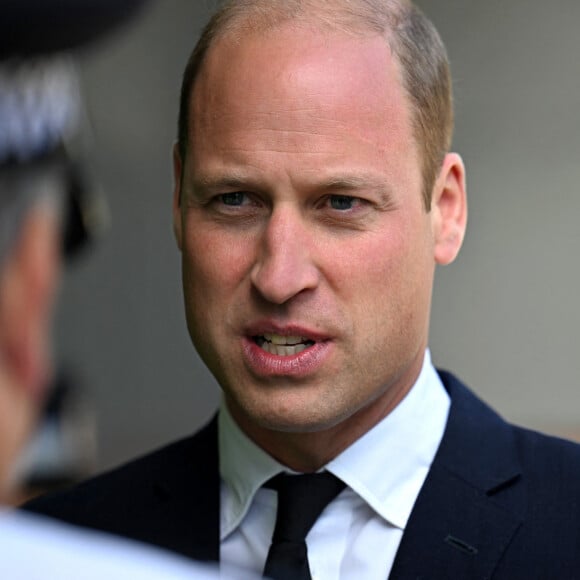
column 358, row 534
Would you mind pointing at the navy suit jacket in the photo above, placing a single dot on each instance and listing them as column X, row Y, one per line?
column 499, row 502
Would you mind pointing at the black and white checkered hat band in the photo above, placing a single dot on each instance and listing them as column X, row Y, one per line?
column 40, row 107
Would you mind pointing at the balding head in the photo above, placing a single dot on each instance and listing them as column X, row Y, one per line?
column 410, row 35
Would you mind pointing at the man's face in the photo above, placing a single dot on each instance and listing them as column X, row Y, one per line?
column 308, row 256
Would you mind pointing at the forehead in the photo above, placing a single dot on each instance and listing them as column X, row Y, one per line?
column 280, row 86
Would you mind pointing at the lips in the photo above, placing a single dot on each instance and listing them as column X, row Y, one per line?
column 290, row 351
column 280, row 345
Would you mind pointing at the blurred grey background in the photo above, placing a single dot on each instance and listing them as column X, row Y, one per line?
column 505, row 316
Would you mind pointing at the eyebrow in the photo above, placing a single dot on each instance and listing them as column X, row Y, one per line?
column 230, row 180
column 352, row 182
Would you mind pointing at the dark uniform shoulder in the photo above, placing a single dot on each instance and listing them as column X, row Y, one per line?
column 154, row 498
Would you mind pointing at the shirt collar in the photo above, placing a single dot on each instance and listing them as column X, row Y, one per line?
column 244, row 468
column 402, row 445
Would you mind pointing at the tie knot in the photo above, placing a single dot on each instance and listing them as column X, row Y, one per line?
column 301, row 499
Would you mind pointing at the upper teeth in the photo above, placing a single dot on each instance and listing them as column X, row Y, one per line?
column 279, row 339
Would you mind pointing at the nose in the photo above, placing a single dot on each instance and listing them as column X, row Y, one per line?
column 285, row 267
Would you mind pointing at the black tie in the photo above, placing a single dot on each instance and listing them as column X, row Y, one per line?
column 301, row 499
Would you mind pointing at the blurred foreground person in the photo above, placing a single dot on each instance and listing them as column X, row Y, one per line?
column 39, row 112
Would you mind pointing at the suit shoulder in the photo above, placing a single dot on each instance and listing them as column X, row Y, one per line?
column 548, row 454
column 478, row 436
column 129, row 489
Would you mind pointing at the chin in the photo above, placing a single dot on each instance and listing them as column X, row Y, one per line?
column 298, row 419
column 289, row 410
column 297, row 425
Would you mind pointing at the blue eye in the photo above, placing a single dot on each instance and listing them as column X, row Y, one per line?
column 234, row 198
column 341, row 202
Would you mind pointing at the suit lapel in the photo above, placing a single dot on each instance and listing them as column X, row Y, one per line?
column 472, row 502
column 185, row 498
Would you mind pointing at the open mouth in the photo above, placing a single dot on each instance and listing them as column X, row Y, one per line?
column 282, row 345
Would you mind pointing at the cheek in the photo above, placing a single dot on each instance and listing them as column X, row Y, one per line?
column 367, row 267
column 213, row 265
column 386, row 279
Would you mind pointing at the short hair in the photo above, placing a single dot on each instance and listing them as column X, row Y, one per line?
column 410, row 34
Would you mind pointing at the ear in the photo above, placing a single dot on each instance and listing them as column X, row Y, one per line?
column 177, row 176
column 449, row 209
column 27, row 287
